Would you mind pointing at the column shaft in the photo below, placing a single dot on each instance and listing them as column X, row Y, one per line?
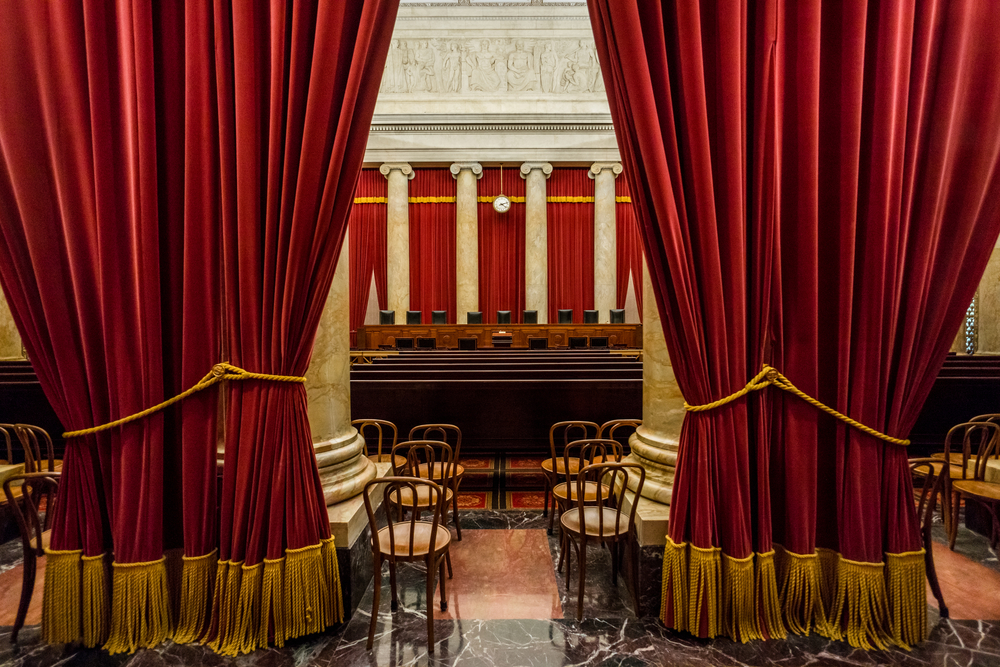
column 989, row 305
column 466, row 238
column 605, row 238
column 397, row 234
column 536, row 233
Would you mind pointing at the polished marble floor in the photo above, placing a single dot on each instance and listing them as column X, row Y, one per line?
column 507, row 605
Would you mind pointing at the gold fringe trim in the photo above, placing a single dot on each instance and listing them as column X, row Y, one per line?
column 861, row 610
column 674, row 586
column 623, row 199
column 739, row 609
column 906, row 573
column 801, row 592
column 767, row 599
column 96, row 615
column 61, row 600
column 371, row 200
column 432, row 200
column 140, row 611
column 196, row 593
column 569, row 200
column 695, row 578
column 225, row 606
column 489, row 200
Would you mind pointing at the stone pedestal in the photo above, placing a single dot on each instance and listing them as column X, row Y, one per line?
column 652, row 520
column 397, row 235
column 536, row 247
column 344, row 468
column 605, row 238
column 654, row 444
column 466, row 238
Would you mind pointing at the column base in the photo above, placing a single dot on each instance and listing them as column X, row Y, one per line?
column 344, row 468
column 352, row 537
column 658, row 456
column 651, row 523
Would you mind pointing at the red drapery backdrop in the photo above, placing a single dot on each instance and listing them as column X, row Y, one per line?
column 628, row 246
column 367, row 239
column 570, row 214
column 501, row 246
column 173, row 192
column 816, row 187
column 432, row 243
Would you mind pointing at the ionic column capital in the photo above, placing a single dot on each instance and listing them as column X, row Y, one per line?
column 545, row 168
column 457, row 167
column 614, row 167
column 403, row 167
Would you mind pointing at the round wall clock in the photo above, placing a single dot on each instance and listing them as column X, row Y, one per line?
column 501, row 204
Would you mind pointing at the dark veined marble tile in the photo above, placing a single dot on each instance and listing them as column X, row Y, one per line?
column 502, row 519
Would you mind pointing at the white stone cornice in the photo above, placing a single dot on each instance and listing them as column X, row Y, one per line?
column 614, row 167
column 457, row 167
column 545, row 167
column 403, row 167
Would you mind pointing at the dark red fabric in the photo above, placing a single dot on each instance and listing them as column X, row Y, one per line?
column 571, row 242
column 432, row 243
column 368, row 249
column 628, row 246
column 501, row 246
column 817, row 188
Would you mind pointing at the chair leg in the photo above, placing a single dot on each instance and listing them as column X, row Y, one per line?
column 430, row 604
column 454, row 502
column 583, row 575
column 545, row 510
column 27, row 587
column 375, row 601
column 441, row 577
column 562, row 551
column 394, row 604
column 956, row 505
column 569, row 558
column 552, row 516
column 447, row 560
column 932, row 577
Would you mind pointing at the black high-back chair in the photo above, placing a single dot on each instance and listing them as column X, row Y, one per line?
column 590, row 316
column 474, row 317
column 503, row 317
column 565, row 316
column 529, row 317
column 387, row 317
column 439, row 316
column 413, row 317
column 617, row 316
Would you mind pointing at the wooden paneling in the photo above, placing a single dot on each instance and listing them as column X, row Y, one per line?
column 447, row 335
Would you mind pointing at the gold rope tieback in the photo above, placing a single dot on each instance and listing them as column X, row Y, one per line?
column 221, row 372
column 770, row 376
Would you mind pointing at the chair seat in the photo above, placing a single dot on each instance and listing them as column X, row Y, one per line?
column 438, row 470
column 397, row 461
column 985, row 490
column 591, row 516
column 560, row 468
column 955, row 469
column 606, row 459
column 423, row 496
column 589, row 491
column 421, row 539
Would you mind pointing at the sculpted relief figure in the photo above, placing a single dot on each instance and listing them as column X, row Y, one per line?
column 521, row 75
column 549, row 61
column 451, row 69
column 425, row 75
column 483, row 76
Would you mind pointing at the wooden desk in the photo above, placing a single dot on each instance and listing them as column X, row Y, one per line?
column 373, row 336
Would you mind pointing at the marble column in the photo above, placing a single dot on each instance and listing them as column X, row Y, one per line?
column 466, row 237
column 654, row 444
column 989, row 305
column 10, row 339
column 605, row 238
column 344, row 468
column 397, row 235
column 536, row 234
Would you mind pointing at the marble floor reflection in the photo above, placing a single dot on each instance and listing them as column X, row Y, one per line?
column 506, row 605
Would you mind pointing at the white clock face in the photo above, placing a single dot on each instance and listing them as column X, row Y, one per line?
column 501, row 204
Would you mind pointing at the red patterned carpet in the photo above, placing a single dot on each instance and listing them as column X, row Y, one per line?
column 502, row 482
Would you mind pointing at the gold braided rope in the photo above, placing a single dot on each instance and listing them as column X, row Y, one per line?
column 221, row 372
column 770, row 376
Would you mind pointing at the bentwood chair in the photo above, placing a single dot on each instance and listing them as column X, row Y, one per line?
column 410, row 540
column 443, row 433
column 933, row 486
column 367, row 426
column 603, row 521
column 556, row 466
column 584, row 452
column 956, row 457
column 37, row 496
column 610, row 430
column 433, row 455
column 968, row 479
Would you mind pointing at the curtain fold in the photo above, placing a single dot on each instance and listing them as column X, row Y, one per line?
column 501, row 246
column 792, row 168
column 570, row 214
column 164, row 170
column 368, row 246
column 432, row 243
column 628, row 246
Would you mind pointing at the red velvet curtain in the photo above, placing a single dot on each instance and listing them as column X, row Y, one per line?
column 570, row 214
column 501, row 246
column 432, row 243
column 816, row 187
column 367, row 252
column 165, row 169
column 628, row 246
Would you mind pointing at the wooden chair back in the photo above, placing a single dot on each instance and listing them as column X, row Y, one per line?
column 445, row 431
column 570, row 431
column 590, row 450
column 608, row 428
column 391, row 497
column 993, row 418
column 615, row 476
column 36, row 487
column 5, row 430
column 364, row 425
column 976, row 441
column 427, row 452
column 933, row 485
column 32, row 438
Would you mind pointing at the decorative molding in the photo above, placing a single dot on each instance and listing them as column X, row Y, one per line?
column 404, row 167
column 491, row 127
column 614, row 167
column 544, row 167
column 457, row 167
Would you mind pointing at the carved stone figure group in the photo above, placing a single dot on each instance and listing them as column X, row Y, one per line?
column 492, row 66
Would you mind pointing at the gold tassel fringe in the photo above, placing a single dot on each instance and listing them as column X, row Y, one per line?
column 225, row 608
column 62, row 597
column 95, row 600
column 906, row 573
column 331, row 570
column 767, row 599
column 801, row 592
column 739, row 609
column 675, row 579
column 694, row 576
column 861, row 609
column 196, row 593
column 140, row 611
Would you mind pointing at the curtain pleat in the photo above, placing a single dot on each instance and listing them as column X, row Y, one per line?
column 628, row 246
column 570, row 213
column 368, row 246
column 432, row 243
column 501, row 246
